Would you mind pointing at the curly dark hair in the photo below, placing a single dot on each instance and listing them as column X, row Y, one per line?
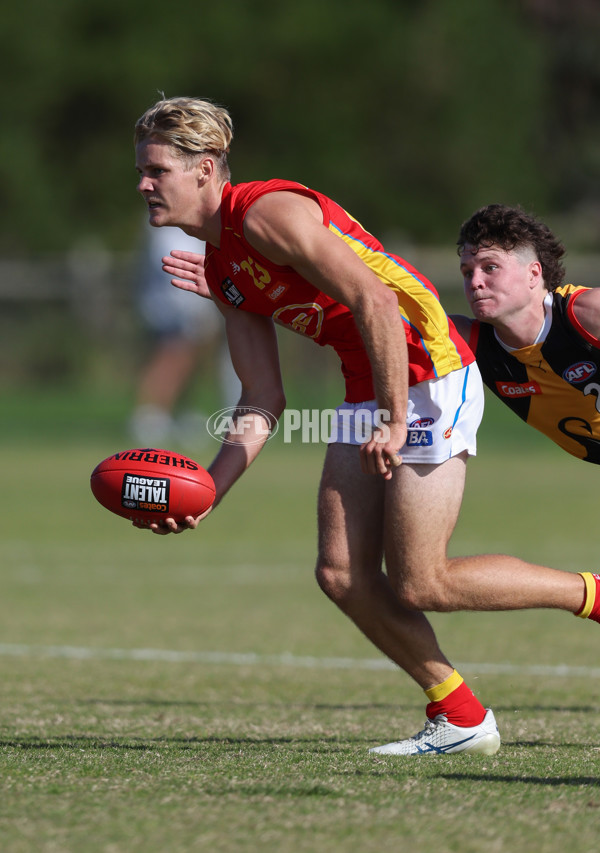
column 511, row 228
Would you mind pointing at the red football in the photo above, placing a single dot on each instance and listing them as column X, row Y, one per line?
column 146, row 485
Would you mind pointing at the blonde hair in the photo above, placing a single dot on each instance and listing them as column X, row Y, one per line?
column 192, row 126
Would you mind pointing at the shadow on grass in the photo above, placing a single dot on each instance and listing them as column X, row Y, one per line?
column 550, row 781
column 239, row 703
column 317, row 742
column 394, row 708
column 131, row 743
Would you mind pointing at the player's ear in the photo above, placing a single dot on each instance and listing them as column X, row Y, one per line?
column 536, row 273
column 206, row 169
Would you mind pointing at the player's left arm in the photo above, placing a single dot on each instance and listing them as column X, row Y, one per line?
column 288, row 229
column 586, row 309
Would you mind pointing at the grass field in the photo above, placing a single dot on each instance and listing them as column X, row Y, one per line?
column 199, row 693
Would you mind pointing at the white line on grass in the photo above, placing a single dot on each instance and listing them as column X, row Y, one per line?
column 285, row 659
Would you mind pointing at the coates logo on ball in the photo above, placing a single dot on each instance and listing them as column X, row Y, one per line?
column 146, row 485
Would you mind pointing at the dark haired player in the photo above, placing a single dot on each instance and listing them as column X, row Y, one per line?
column 536, row 339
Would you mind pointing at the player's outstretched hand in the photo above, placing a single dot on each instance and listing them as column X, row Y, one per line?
column 187, row 269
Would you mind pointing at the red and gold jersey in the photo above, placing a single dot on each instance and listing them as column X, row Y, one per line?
column 240, row 276
column 553, row 385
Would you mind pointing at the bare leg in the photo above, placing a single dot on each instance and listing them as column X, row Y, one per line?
column 422, row 505
column 349, row 568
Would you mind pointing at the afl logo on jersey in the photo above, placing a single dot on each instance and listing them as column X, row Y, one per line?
column 581, row 371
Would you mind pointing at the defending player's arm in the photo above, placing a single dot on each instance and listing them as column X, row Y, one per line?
column 463, row 325
column 288, row 230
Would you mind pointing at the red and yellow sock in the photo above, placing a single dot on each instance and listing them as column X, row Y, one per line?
column 590, row 609
column 455, row 701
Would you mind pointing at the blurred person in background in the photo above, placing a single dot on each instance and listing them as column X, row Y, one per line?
column 186, row 336
column 280, row 252
column 536, row 339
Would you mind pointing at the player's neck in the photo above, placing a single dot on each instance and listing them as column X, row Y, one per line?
column 522, row 330
column 206, row 222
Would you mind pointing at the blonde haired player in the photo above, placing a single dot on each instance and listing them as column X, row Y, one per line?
column 277, row 249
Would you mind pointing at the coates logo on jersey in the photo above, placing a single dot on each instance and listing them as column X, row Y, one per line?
column 518, row 389
column 579, row 372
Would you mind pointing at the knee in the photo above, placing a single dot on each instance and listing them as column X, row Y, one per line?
column 335, row 581
column 424, row 594
column 331, row 580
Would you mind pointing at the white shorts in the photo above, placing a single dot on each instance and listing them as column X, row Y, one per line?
column 442, row 419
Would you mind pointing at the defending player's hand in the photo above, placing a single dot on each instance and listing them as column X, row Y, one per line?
column 381, row 454
column 187, row 269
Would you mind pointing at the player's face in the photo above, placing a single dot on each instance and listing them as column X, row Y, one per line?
column 499, row 284
column 170, row 192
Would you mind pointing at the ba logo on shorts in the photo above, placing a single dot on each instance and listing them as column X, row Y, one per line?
column 579, row 372
column 419, row 438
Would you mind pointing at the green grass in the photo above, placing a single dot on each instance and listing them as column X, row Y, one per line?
column 112, row 754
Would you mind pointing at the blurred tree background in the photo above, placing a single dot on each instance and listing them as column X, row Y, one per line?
column 410, row 114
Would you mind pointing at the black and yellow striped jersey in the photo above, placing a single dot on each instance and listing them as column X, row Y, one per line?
column 554, row 384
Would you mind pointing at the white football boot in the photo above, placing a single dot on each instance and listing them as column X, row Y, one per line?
column 439, row 737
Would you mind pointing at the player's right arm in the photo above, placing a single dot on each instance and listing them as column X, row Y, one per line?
column 255, row 357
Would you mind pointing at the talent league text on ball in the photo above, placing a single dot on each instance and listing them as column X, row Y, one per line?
column 145, row 493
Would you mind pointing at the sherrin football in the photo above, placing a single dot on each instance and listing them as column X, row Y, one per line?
column 146, row 485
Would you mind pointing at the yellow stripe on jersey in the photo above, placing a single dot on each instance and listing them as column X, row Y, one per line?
column 419, row 307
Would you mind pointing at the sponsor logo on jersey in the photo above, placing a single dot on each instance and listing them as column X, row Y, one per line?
column 231, row 293
column 447, row 432
column 305, row 319
column 422, row 423
column 518, row 389
column 419, row 438
column 579, row 372
column 147, row 493
column 277, row 290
